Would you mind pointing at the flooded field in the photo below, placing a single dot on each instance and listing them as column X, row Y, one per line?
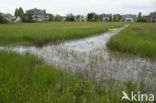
column 90, row 58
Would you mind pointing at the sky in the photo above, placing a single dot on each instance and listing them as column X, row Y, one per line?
column 83, row 7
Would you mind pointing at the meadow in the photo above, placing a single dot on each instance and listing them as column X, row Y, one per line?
column 138, row 39
column 50, row 32
column 27, row 79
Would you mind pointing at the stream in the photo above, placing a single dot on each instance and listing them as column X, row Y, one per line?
column 91, row 58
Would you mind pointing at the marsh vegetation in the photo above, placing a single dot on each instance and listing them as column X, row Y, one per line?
column 138, row 39
column 50, row 32
column 75, row 71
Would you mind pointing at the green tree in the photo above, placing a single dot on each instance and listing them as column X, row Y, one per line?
column 20, row 12
column 140, row 18
column 30, row 19
column 100, row 17
column 96, row 17
column 70, row 17
column 153, row 13
column 16, row 12
column 91, row 17
column 110, row 18
column 51, row 17
column 58, row 18
column 116, row 17
column 2, row 19
column 78, row 17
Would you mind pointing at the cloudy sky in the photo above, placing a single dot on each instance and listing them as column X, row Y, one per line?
column 81, row 6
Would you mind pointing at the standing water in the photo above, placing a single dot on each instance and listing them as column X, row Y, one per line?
column 91, row 57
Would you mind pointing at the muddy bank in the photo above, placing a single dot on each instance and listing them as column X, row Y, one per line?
column 91, row 58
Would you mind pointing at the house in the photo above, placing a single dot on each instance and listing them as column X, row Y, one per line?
column 106, row 17
column 11, row 18
column 16, row 19
column 8, row 17
column 151, row 18
column 38, row 14
column 128, row 18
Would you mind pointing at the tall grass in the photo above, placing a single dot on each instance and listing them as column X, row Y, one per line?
column 138, row 39
column 27, row 79
column 51, row 32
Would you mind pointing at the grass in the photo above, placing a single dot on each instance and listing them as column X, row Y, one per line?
column 138, row 39
column 50, row 32
column 27, row 79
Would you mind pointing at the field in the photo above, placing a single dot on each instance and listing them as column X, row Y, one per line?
column 27, row 79
column 138, row 39
column 47, row 33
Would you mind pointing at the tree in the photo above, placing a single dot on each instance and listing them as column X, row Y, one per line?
column 140, row 18
column 58, row 18
column 2, row 19
column 101, row 17
column 110, row 18
column 153, row 13
column 19, row 12
column 79, row 18
column 70, row 17
column 91, row 17
column 116, row 17
column 30, row 19
column 16, row 12
column 51, row 17
column 96, row 17
column 139, row 15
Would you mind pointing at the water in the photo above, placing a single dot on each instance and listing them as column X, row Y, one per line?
column 91, row 58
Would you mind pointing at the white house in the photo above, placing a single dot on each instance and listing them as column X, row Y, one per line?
column 11, row 18
column 16, row 19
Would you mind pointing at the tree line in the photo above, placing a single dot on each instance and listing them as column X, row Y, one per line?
column 19, row 12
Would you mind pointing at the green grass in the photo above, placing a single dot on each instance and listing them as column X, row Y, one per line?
column 138, row 39
column 27, row 79
column 51, row 32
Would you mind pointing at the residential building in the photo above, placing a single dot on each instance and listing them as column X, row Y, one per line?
column 38, row 14
column 16, row 19
column 151, row 18
column 128, row 18
column 8, row 17
column 11, row 18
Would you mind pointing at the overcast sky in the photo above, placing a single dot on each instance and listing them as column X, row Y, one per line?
column 63, row 7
